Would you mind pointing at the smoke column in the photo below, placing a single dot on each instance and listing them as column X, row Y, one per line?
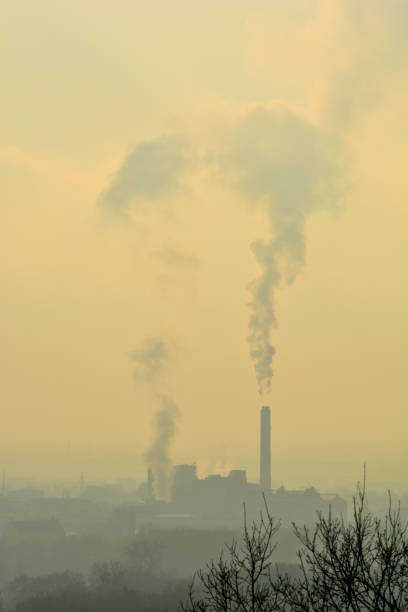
column 284, row 254
column 285, row 164
column 151, row 362
column 157, row 456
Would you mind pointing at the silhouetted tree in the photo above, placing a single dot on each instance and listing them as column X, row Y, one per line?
column 29, row 587
column 361, row 565
column 241, row 578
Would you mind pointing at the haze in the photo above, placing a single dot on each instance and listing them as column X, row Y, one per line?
column 143, row 150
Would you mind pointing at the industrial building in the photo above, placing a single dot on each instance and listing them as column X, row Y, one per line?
column 219, row 500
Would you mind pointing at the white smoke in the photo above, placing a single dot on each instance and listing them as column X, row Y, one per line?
column 151, row 361
column 283, row 163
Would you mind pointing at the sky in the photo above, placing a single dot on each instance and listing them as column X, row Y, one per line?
column 229, row 180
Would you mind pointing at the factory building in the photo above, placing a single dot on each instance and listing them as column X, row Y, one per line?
column 219, row 499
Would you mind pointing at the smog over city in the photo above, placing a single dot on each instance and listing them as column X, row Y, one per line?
column 203, row 279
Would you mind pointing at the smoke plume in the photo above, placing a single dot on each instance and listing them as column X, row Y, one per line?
column 149, row 172
column 151, row 361
column 157, row 456
column 283, row 163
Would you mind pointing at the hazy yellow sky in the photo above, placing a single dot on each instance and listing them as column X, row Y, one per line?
column 141, row 146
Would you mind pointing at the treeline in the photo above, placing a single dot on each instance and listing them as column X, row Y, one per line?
column 173, row 550
column 150, row 571
column 111, row 587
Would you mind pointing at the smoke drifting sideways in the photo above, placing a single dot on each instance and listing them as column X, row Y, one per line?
column 150, row 171
column 280, row 161
column 151, row 361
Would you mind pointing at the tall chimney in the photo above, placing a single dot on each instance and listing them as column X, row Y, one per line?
column 265, row 455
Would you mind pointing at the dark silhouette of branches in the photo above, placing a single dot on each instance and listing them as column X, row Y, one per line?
column 240, row 579
column 361, row 565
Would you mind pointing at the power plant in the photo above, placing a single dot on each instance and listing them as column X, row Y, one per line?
column 218, row 500
column 210, row 502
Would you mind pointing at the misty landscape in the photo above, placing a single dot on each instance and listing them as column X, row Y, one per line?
column 203, row 306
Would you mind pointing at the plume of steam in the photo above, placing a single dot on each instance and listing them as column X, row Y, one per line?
column 157, row 456
column 282, row 252
column 150, row 171
column 151, row 361
column 263, row 318
column 288, row 166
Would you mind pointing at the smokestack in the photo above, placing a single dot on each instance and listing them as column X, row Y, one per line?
column 265, row 455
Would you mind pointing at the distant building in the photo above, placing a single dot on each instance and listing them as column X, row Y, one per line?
column 219, row 499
